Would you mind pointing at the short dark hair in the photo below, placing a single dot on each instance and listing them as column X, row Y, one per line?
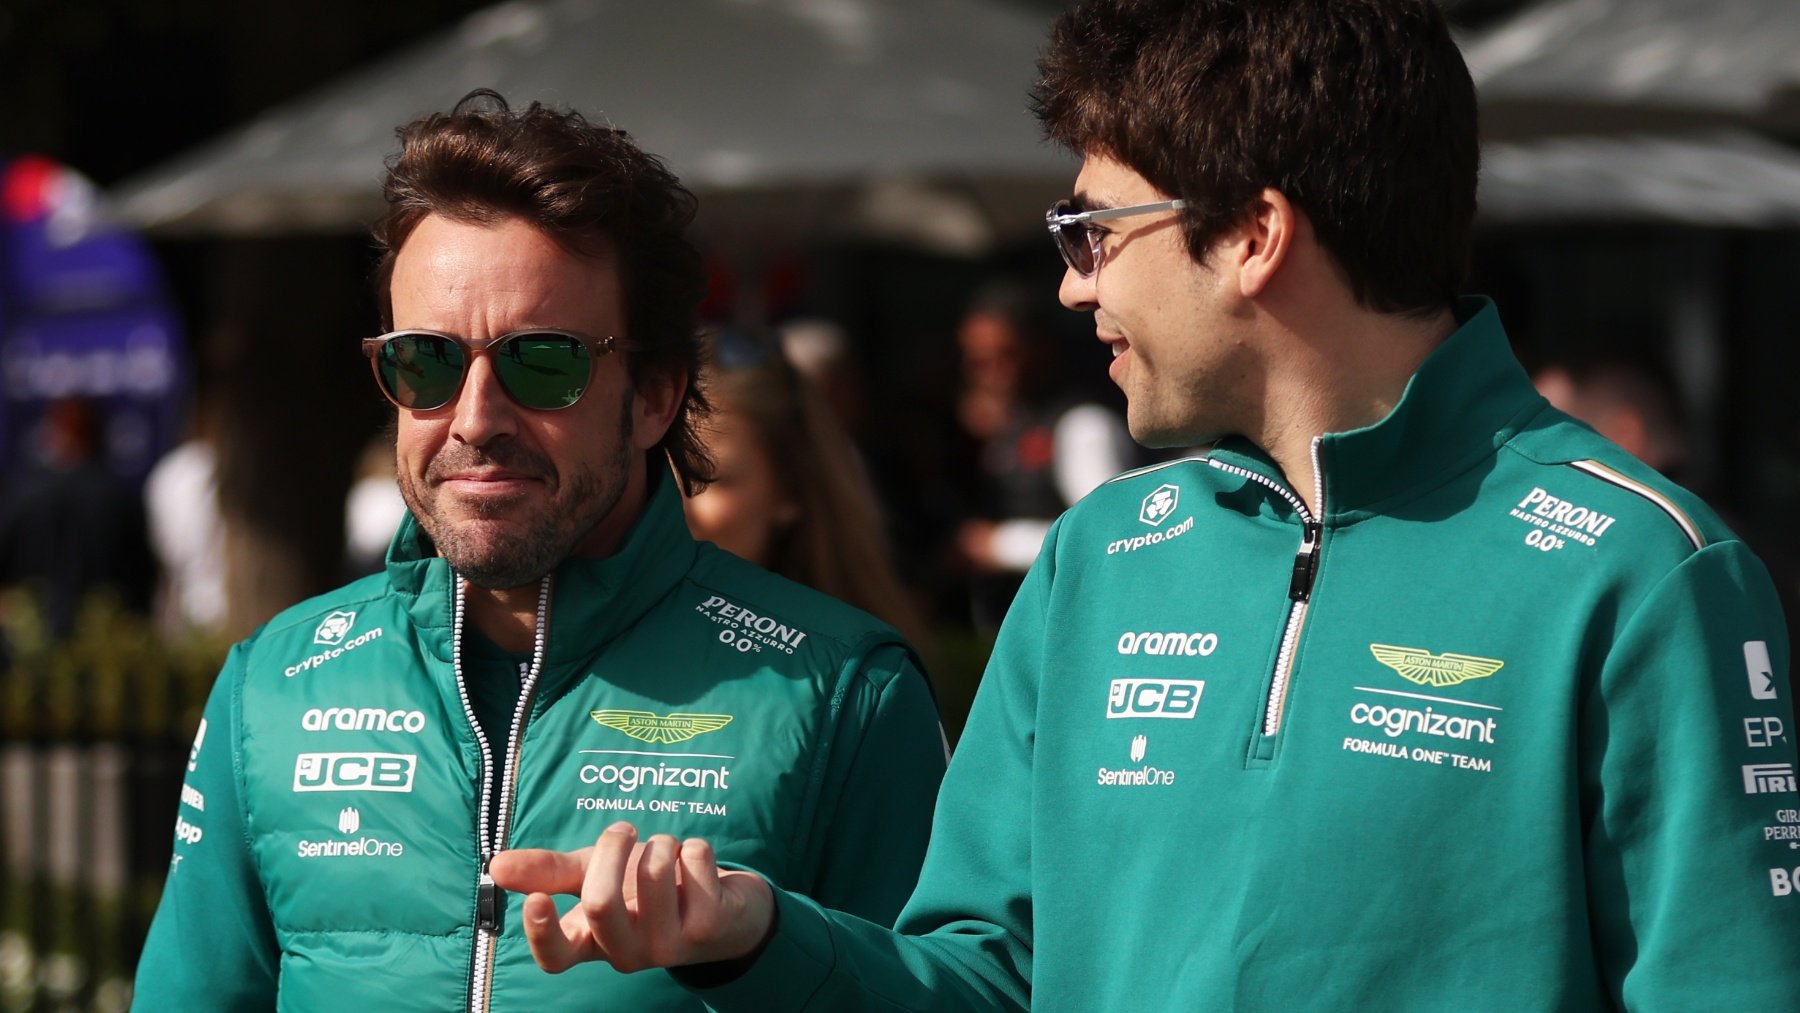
column 585, row 186
column 1360, row 112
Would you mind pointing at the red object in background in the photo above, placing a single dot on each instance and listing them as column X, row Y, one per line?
column 1036, row 448
column 28, row 188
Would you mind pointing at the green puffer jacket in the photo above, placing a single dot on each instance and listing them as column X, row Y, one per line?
column 330, row 838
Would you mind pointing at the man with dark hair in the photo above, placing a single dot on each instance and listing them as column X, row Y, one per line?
column 1410, row 693
column 548, row 647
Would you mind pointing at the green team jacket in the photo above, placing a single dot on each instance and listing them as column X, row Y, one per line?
column 329, row 843
column 1504, row 731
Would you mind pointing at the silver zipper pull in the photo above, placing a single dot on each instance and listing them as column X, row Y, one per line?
column 1306, row 563
column 488, row 910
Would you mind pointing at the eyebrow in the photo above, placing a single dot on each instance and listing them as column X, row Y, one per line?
column 1082, row 201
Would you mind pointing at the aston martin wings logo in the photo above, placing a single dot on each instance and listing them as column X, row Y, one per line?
column 1428, row 669
column 647, row 726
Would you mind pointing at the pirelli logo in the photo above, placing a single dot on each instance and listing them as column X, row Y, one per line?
column 1768, row 778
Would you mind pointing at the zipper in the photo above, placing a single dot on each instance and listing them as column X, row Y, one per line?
column 1300, row 582
column 487, row 895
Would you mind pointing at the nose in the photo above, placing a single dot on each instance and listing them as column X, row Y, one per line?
column 483, row 412
column 1078, row 293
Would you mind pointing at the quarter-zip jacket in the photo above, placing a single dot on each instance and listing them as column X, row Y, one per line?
column 333, row 828
column 1499, row 730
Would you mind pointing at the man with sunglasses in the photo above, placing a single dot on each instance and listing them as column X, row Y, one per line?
column 548, row 648
column 1410, row 693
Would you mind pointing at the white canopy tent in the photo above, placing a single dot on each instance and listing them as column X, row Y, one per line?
column 904, row 116
column 907, row 119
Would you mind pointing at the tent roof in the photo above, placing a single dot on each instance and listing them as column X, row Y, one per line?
column 1720, row 179
column 1594, row 65
column 733, row 94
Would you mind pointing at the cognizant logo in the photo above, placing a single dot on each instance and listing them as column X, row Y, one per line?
column 335, row 652
column 629, row 777
column 1397, row 720
column 1137, row 542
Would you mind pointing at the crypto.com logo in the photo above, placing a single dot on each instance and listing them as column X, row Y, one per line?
column 1160, row 504
column 334, row 628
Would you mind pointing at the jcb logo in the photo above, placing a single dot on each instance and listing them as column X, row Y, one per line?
column 354, row 771
column 1153, row 698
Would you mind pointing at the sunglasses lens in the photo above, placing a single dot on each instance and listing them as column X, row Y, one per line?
column 420, row 372
column 1076, row 251
column 1072, row 241
column 544, row 372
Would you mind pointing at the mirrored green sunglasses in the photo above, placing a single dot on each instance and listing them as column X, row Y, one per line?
column 543, row 369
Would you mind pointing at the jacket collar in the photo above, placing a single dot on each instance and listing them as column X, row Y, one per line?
column 592, row 601
column 1469, row 397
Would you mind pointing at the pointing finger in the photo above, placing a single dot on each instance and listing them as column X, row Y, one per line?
column 538, row 870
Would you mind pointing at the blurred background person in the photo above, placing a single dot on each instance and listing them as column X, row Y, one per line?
column 181, row 509
column 1039, row 445
column 373, row 509
column 791, row 493
column 70, row 525
column 1630, row 401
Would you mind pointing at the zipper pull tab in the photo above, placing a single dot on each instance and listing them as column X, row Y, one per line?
column 1306, row 563
column 488, row 908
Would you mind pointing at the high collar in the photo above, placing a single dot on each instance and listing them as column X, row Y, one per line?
column 1468, row 397
column 592, row 601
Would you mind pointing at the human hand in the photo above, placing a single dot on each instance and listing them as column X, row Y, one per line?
column 660, row 903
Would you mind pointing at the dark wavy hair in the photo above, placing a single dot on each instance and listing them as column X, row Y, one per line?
column 1360, row 112
column 589, row 188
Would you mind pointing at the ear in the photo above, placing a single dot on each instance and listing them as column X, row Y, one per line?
column 1267, row 236
column 654, row 405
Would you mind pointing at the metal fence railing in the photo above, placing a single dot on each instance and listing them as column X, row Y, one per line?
column 94, row 737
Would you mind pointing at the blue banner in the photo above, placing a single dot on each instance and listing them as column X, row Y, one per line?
column 83, row 314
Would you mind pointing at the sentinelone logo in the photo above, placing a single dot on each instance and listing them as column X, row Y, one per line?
column 331, row 632
column 1148, row 776
column 349, row 822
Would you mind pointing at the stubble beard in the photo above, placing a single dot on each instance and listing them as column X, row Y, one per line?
column 496, row 547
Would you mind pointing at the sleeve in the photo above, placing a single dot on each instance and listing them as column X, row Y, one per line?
column 964, row 940
column 212, row 943
column 886, row 771
column 1693, row 839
